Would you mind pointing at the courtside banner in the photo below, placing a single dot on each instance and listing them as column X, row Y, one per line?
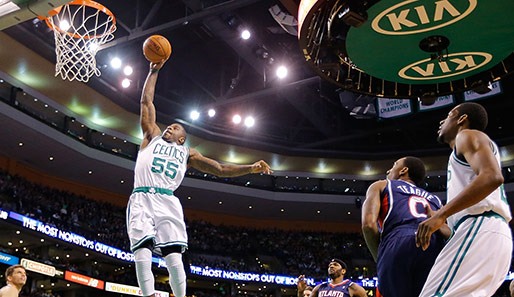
column 38, row 267
column 84, row 280
column 130, row 290
column 496, row 88
column 9, row 259
column 393, row 108
column 439, row 103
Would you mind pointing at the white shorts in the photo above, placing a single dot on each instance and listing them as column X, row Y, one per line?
column 474, row 262
column 156, row 217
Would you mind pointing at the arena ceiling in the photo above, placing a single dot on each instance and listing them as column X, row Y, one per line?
column 213, row 67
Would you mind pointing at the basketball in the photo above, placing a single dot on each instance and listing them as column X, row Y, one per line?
column 156, row 48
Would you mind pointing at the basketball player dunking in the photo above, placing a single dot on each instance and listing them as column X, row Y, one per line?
column 477, row 257
column 337, row 287
column 155, row 217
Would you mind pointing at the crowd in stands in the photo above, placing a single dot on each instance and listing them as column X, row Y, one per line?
column 217, row 246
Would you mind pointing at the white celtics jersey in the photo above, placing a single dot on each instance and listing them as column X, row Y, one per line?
column 460, row 174
column 161, row 164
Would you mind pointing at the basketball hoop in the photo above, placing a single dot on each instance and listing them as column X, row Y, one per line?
column 80, row 27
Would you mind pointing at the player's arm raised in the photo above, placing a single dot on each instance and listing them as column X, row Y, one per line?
column 476, row 148
column 357, row 291
column 369, row 217
column 147, row 119
column 207, row 165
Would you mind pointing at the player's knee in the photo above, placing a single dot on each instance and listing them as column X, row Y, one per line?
column 172, row 249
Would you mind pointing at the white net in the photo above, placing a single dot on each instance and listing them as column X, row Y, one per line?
column 79, row 31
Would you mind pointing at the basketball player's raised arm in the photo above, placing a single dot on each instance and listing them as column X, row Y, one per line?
column 147, row 118
column 207, row 165
column 369, row 217
column 477, row 149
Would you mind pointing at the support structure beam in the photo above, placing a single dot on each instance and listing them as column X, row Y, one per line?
column 212, row 10
column 265, row 92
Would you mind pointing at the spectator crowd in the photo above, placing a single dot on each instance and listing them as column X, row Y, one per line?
column 218, row 246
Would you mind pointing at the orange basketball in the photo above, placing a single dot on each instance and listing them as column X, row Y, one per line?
column 156, row 48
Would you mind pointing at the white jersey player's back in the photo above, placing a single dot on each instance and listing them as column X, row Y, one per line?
column 460, row 175
column 161, row 164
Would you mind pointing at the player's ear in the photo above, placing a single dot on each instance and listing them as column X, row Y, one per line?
column 462, row 118
column 404, row 170
column 181, row 140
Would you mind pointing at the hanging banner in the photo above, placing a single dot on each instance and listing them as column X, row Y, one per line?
column 38, row 267
column 9, row 259
column 393, row 108
column 439, row 102
column 84, row 280
column 496, row 88
column 130, row 290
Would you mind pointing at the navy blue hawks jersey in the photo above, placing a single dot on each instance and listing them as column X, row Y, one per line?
column 403, row 203
column 337, row 290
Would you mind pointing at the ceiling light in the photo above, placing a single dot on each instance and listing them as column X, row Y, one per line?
column 281, row 72
column 116, row 63
column 17, row 231
column 211, row 112
column 194, row 115
column 51, row 158
column 220, row 202
column 90, row 172
column 64, row 25
column 128, row 70
column 282, row 210
column 20, row 144
column 249, row 121
column 93, row 46
column 42, row 240
column 236, row 119
column 122, row 181
column 21, row 241
column 87, row 255
column 35, row 99
column 46, row 105
column 125, row 83
column 245, row 34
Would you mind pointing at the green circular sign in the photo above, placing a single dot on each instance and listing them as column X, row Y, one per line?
column 387, row 46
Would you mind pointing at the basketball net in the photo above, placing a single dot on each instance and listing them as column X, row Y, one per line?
column 80, row 28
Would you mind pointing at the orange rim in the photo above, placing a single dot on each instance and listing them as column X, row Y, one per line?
column 88, row 3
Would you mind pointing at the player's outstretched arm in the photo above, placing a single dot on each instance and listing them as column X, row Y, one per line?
column 477, row 149
column 207, row 165
column 357, row 291
column 147, row 118
column 301, row 285
column 369, row 216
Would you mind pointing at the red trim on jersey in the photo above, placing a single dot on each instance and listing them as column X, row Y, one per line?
column 333, row 286
column 378, row 293
column 384, row 208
